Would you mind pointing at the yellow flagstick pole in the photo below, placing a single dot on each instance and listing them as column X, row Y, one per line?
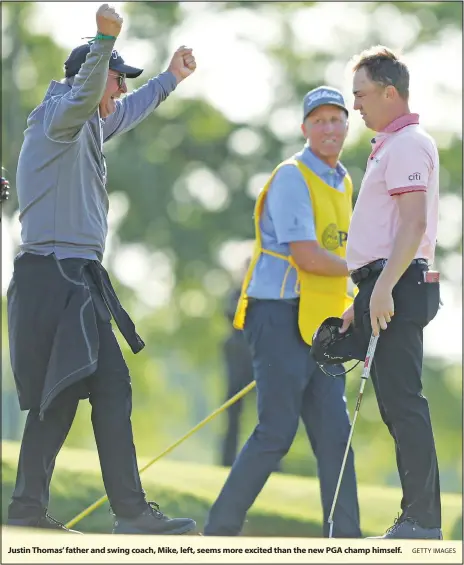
column 216, row 412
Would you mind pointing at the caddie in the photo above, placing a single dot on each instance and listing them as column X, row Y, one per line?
column 297, row 277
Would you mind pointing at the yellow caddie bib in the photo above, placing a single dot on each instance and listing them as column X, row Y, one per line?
column 320, row 296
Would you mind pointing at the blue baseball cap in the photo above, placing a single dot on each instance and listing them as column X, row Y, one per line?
column 320, row 96
column 78, row 56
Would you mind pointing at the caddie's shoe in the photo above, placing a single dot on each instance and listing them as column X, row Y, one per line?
column 152, row 522
column 408, row 528
column 45, row 521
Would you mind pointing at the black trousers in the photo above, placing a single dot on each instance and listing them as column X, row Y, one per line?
column 110, row 395
column 239, row 373
column 396, row 376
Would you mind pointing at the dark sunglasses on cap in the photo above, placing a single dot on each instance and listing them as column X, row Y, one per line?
column 121, row 78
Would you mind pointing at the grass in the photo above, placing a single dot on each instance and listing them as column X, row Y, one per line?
column 289, row 506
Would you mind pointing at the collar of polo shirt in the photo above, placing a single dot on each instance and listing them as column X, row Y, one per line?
column 401, row 122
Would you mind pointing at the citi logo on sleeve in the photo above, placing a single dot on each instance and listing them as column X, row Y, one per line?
column 414, row 176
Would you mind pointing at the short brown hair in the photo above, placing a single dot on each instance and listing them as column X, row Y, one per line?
column 384, row 67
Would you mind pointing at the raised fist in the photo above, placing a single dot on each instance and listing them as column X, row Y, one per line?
column 182, row 63
column 109, row 22
column 5, row 187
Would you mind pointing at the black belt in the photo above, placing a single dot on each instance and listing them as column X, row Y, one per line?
column 291, row 301
column 375, row 267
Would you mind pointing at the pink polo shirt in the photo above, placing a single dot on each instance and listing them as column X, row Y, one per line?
column 404, row 159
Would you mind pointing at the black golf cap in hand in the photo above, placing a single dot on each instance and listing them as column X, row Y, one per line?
column 78, row 55
column 330, row 347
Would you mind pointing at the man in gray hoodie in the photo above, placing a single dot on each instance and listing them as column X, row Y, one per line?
column 60, row 299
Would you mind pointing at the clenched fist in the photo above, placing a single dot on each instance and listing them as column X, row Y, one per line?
column 109, row 22
column 182, row 63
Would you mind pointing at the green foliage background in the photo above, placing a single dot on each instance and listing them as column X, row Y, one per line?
column 178, row 378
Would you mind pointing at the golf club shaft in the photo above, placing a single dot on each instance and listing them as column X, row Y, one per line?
column 364, row 377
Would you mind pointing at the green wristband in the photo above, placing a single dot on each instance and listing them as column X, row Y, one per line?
column 103, row 36
column 99, row 36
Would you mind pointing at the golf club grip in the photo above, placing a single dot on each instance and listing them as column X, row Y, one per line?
column 369, row 356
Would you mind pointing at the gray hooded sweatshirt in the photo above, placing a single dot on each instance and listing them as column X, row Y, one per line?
column 61, row 174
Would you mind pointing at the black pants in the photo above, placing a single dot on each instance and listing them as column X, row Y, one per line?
column 111, row 400
column 239, row 373
column 396, row 376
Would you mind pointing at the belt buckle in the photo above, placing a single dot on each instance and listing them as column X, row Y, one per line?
column 358, row 275
column 354, row 276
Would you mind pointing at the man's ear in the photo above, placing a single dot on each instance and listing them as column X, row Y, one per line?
column 303, row 130
column 390, row 92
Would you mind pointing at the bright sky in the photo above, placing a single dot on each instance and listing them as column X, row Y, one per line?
column 248, row 67
column 235, row 76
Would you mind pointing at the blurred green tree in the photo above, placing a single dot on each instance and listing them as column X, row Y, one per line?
column 186, row 174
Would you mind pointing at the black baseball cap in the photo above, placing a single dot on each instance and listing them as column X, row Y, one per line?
column 116, row 63
column 330, row 347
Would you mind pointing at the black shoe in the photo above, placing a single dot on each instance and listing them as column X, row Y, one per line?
column 45, row 522
column 408, row 528
column 154, row 522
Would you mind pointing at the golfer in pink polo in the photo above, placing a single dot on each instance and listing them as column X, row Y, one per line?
column 390, row 247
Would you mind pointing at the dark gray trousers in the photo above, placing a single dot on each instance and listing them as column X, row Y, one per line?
column 289, row 385
column 110, row 395
column 239, row 372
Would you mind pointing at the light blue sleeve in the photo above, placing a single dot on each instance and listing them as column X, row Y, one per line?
column 137, row 105
column 290, row 207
